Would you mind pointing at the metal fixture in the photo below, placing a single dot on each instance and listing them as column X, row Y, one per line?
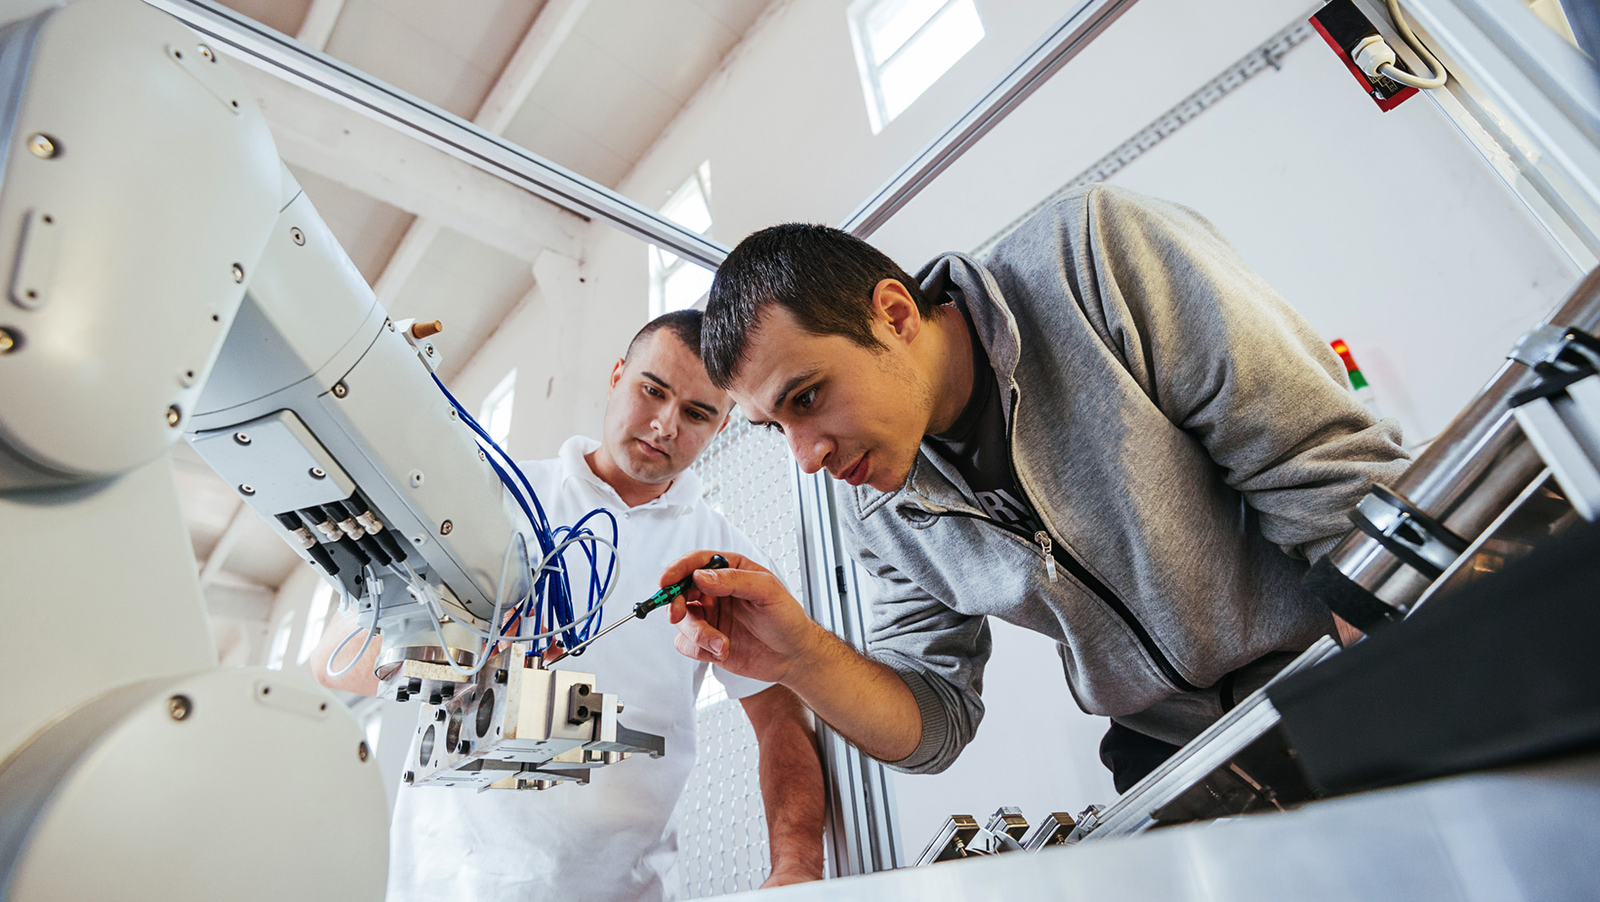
column 242, row 438
column 362, row 751
column 179, row 707
column 445, row 527
column 340, row 389
column 8, row 343
column 208, row 54
column 238, row 273
column 246, row 489
column 174, row 415
column 297, row 236
column 42, row 145
column 318, row 473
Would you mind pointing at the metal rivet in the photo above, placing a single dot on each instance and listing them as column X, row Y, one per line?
column 241, row 438
column 340, row 389
column 246, row 488
column 208, row 53
column 298, row 236
column 362, row 751
column 8, row 341
column 179, row 706
column 42, row 145
column 481, row 455
column 318, row 473
column 174, row 415
column 238, row 273
column 445, row 527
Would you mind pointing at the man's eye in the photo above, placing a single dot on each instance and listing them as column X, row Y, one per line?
column 697, row 416
column 774, row 425
column 652, row 391
column 806, row 398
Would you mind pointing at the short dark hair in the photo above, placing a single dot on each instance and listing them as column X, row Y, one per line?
column 823, row 276
column 685, row 324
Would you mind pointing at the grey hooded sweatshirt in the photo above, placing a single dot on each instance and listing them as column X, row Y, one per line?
column 1188, row 441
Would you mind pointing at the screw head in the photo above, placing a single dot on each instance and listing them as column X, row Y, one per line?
column 340, row 389
column 8, row 341
column 179, row 707
column 481, row 455
column 42, row 145
column 318, row 473
column 445, row 527
column 500, row 675
column 409, row 777
column 174, row 416
column 246, row 488
column 362, row 751
column 238, row 273
column 297, row 236
column 208, row 53
column 242, row 438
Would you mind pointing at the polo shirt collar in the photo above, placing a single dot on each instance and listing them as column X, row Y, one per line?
column 683, row 495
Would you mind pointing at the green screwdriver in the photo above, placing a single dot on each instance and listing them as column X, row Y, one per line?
column 661, row 599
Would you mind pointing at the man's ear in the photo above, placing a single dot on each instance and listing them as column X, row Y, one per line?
column 893, row 306
column 616, row 375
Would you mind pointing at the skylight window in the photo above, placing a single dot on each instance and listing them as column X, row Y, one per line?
column 903, row 46
column 676, row 283
column 316, row 620
column 495, row 414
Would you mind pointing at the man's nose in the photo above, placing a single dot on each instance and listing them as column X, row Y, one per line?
column 665, row 424
column 810, row 452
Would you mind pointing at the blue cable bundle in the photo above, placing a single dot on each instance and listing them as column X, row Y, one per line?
column 552, row 590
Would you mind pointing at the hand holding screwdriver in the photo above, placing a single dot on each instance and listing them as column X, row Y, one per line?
column 662, row 598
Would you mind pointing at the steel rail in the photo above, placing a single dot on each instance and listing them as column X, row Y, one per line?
column 1065, row 40
column 259, row 46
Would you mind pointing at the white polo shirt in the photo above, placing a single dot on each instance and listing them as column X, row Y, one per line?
column 615, row 839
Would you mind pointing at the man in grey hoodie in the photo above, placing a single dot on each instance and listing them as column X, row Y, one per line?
column 1111, row 431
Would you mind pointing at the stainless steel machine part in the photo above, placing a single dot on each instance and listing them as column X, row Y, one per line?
column 1469, row 474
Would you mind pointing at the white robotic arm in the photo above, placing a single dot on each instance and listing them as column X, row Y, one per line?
column 162, row 276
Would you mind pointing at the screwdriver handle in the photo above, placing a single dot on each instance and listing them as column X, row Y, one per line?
column 668, row 593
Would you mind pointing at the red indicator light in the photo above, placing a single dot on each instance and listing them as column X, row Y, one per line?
column 1343, row 350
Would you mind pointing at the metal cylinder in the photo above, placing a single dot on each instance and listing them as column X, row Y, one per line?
column 1468, row 475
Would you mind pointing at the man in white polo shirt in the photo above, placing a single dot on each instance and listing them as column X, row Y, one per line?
column 617, row 837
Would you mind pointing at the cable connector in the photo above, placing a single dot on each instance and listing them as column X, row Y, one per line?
column 1372, row 54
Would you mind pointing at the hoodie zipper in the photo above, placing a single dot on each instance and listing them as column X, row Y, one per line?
column 1054, row 552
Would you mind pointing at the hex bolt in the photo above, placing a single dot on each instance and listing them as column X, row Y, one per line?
column 8, row 342
column 445, row 527
column 409, row 777
column 436, row 699
column 242, row 438
column 400, row 695
column 362, row 751
column 463, row 747
column 340, row 389
column 174, row 415
column 439, row 715
column 297, row 236
column 246, row 488
column 179, row 707
column 500, row 676
column 318, row 473
column 42, row 145
column 238, row 273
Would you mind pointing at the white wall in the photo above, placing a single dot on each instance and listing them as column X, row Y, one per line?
column 1386, row 230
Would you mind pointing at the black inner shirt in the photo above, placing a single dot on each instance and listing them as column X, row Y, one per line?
column 976, row 444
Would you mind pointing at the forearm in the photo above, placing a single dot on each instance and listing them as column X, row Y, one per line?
column 792, row 789
column 864, row 700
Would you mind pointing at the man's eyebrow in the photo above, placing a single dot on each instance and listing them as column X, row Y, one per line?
column 793, row 383
column 708, row 408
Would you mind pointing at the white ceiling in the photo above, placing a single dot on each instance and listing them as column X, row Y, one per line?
column 613, row 80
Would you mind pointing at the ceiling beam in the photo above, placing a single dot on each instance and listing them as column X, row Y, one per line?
column 243, row 516
column 360, row 153
column 544, row 37
column 317, row 26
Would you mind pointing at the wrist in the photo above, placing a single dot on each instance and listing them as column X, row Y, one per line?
column 816, row 646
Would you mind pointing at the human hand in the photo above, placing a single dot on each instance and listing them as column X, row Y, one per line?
column 741, row 618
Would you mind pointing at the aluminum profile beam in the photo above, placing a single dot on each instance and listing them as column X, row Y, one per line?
column 259, row 46
column 1065, row 40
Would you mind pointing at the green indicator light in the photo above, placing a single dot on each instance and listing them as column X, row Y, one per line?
column 1357, row 381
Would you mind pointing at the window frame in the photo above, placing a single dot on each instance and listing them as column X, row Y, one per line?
column 661, row 269
column 871, row 72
